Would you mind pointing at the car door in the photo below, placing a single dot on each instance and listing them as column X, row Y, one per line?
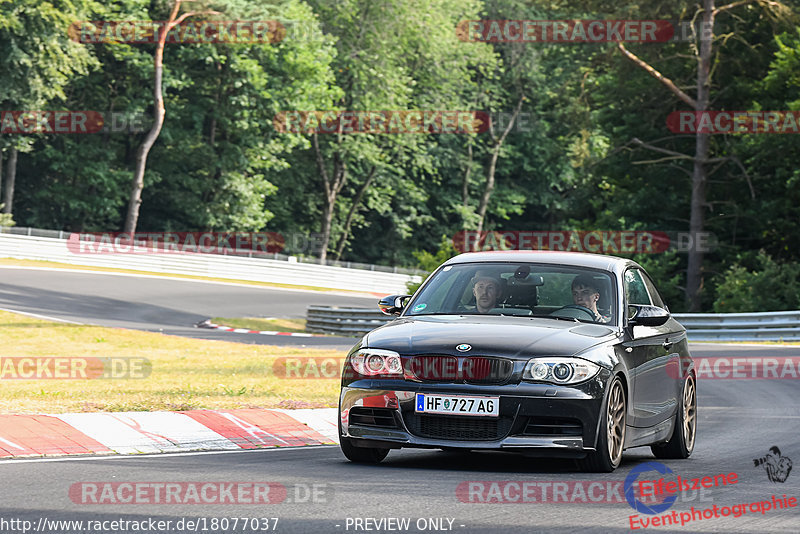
column 653, row 390
column 675, row 346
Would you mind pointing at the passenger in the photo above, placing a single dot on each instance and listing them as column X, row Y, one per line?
column 586, row 293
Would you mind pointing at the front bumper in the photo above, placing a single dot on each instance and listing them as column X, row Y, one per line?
column 536, row 419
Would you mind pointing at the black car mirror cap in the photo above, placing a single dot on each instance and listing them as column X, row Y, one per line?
column 646, row 315
column 393, row 304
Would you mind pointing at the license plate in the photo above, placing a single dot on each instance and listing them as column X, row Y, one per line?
column 457, row 405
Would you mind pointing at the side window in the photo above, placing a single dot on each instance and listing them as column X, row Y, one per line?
column 635, row 292
column 654, row 296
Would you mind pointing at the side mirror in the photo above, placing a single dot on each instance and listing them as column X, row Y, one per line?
column 393, row 304
column 645, row 315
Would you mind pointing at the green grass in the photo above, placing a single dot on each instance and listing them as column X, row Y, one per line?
column 186, row 373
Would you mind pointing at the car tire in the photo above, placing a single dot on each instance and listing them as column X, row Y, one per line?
column 681, row 443
column 361, row 455
column 608, row 454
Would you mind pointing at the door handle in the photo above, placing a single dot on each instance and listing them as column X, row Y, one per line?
column 667, row 344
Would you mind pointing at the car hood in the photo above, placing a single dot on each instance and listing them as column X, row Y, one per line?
column 488, row 335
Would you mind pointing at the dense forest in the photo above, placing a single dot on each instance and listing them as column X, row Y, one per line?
column 580, row 137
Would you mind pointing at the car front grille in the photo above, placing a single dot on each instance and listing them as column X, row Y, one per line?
column 553, row 426
column 435, row 368
column 473, row 369
column 462, row 428
column 376, row 417
column 480, row 370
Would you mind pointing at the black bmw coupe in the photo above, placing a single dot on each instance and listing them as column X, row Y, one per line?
column 544, row 353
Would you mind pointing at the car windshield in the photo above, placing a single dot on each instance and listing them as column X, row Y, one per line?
column 519, row 289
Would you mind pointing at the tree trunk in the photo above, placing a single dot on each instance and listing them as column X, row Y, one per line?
column 11, row 176
column 332, row 186
column 490, row 172
column 350, row 214
column 137, row 185
column 465, row 182
column 694, row 272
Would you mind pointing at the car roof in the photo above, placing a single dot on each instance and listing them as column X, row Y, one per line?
column 574, row 259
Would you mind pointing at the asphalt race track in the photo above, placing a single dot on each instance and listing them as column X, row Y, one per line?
column 166, row 305
column 739, row 420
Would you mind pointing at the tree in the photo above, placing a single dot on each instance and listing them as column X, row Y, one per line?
column 137, row 184
column 38, row 63
column 701, row 160
column 396, row 57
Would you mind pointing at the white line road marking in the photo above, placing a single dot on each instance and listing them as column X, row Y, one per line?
column 47, row 317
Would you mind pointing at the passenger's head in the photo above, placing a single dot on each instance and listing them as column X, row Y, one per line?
column 487, row 292
column 585, row 292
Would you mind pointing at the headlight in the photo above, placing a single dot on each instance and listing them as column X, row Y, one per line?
column 377, row 362
column 559, row 370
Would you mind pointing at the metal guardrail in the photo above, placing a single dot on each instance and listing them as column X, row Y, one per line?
column 300, row 258
column 757, row 326
column 344, row 321
column 764, row 326
column 53, row 247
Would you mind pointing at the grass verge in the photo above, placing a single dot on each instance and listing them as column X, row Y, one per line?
column 186, row 373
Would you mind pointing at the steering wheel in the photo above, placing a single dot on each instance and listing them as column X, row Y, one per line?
column 581, row 309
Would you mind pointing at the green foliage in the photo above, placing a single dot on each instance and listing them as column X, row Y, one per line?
column 220, row 163
column 6, row 219
column 430, row 262
column 767, row 286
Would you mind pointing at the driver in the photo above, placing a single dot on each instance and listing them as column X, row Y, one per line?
column 487, row 292
column 585, row 293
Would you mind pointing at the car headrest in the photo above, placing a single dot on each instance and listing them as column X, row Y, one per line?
column 521, row 295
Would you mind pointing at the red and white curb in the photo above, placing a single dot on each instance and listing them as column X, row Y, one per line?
column 208, row 324
column 153, row 432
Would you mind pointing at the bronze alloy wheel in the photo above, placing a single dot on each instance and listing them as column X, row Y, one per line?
column 689, row 413
column 615, row 417
column 681, row 442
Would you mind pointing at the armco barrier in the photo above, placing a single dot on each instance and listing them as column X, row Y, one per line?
column 760, row 326
column 344, row 321
column 767, row 326
column 282, row 271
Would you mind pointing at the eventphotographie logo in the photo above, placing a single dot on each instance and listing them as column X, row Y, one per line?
column 777, row 466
